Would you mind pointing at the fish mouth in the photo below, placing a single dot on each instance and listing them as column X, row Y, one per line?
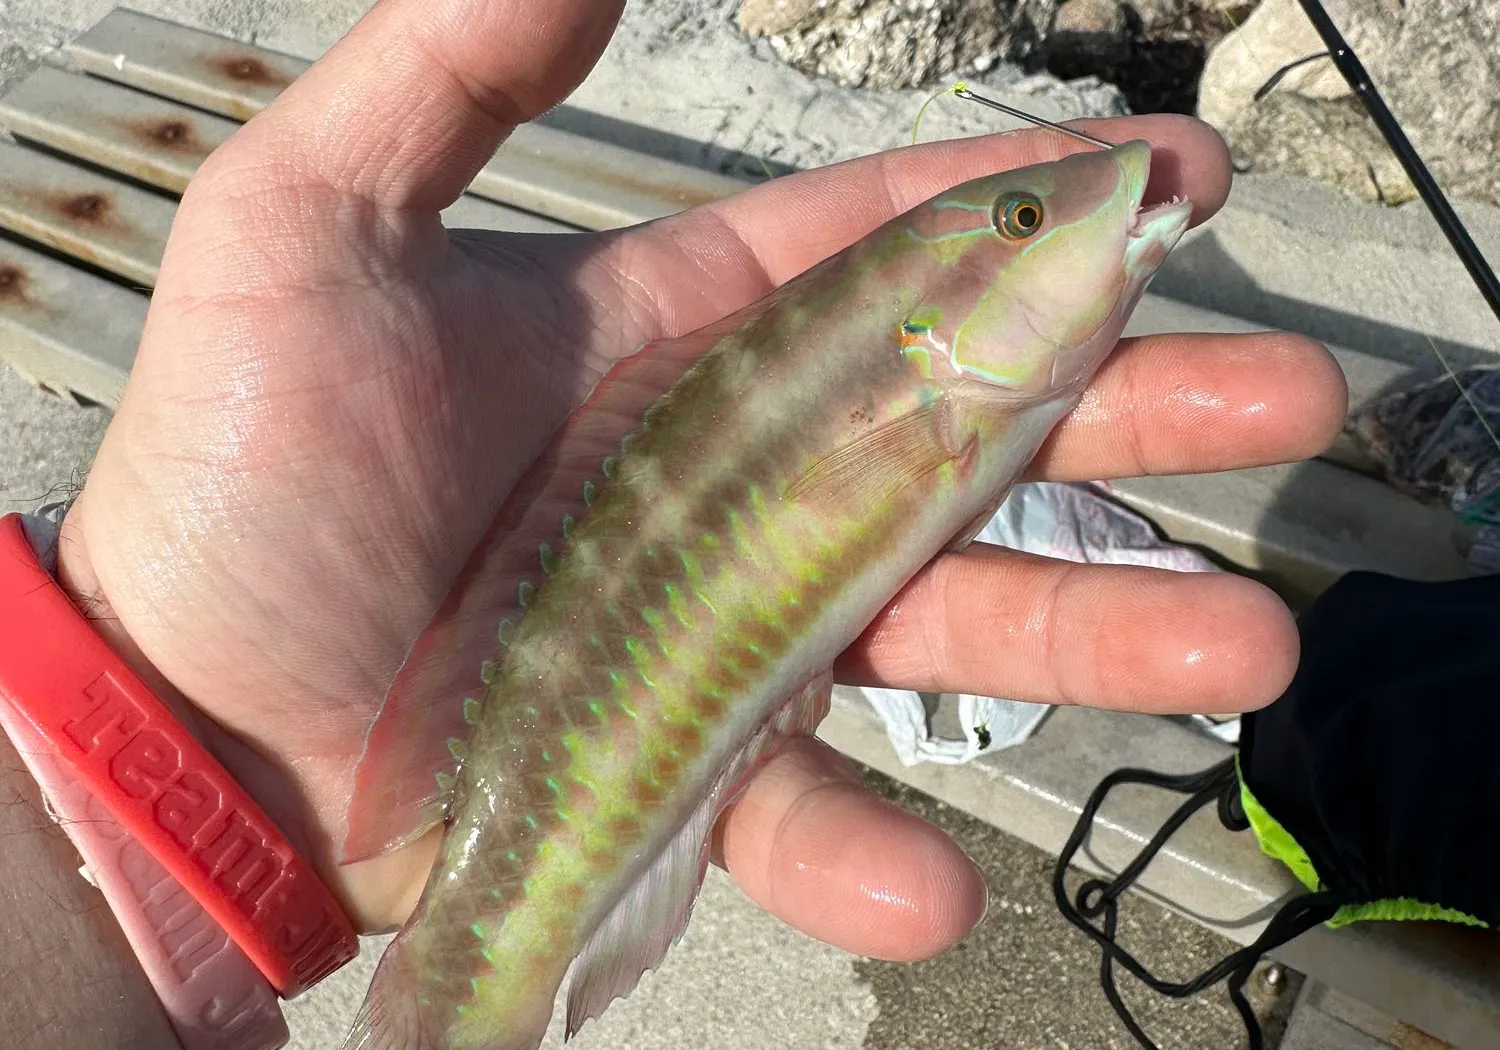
column 1168, row 218
column 1154, row 232
column 1154, row 229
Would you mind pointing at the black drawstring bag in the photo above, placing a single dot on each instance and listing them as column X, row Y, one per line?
column 1360, row 779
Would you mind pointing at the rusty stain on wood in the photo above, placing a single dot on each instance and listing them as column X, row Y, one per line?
column 173, row 134
column 247, row 69
column 12, row 283
column 91, row 222
column 1407, row 1037
column 86, row 209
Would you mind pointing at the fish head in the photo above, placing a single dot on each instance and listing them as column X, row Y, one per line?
column 1030, row 275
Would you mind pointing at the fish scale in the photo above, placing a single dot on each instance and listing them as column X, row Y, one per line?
column 741, row 532
column 677, row 700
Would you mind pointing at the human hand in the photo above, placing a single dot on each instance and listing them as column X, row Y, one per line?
column 333, row 395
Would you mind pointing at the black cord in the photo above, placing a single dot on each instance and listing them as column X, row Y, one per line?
column 1276, row 77
column 1097, row 898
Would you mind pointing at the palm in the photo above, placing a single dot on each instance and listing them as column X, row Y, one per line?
column 333, row 396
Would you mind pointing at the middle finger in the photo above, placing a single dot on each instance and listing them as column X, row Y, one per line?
column 1188, row 404
column 995, row 622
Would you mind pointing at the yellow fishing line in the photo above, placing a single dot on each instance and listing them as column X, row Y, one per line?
column 916, row 125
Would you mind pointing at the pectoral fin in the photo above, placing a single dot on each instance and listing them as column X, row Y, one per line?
column 880, row 463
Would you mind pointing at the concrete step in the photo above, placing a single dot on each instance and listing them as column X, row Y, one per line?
column 1324, row 1019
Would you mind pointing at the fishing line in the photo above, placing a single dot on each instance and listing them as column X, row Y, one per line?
column 1464, row 391
column 916, row 125
column 1278, row 76
column 961, row 90
column 964, row 93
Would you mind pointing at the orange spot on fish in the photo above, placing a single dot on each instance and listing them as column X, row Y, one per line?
column 666, row 768
column 579, row 796
column 684, row 737
column 706, row 706
column 599, row 859
column 645, row 792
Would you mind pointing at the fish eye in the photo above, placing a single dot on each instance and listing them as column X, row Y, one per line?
column 1018, row 216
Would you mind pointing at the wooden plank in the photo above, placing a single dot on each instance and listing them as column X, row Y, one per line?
column 597, row 185
column 476, row 213
column 65, row 329
column 571, row 178
column 114, row 225
column 122, row 228
column 159, row 142
column 200, row 69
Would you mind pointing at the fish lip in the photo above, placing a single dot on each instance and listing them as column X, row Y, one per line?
column 1163, row 223
column 1170, row 218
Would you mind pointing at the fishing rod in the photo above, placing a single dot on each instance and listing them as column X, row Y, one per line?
column 1354, row 73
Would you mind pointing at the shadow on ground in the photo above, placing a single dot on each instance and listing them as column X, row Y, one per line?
column 1042, row 990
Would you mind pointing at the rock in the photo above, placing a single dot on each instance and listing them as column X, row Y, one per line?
column 889, row 44
column 1156, row 15
column 727, row 101
column 1087, row 27
column 1334, row 142
column 773, row 17
column 1435, row 62
column 14, row 63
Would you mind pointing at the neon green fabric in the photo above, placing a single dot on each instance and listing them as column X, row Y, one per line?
column 1277, row 842
column 1403, row 909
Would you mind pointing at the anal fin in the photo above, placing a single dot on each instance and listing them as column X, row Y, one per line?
column 654, row 912
column 975, row 525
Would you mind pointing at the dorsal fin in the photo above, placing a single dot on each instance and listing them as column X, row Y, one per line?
column 401, row 780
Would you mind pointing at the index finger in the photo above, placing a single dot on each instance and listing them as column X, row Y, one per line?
column 794, row 222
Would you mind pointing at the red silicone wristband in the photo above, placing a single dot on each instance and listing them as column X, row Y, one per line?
column 159, row 782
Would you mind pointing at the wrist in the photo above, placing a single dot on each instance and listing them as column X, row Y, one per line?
column 218, row 907
column 58, row 938
column 376, row 895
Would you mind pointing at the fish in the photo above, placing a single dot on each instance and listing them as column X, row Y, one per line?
column 663, row 595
